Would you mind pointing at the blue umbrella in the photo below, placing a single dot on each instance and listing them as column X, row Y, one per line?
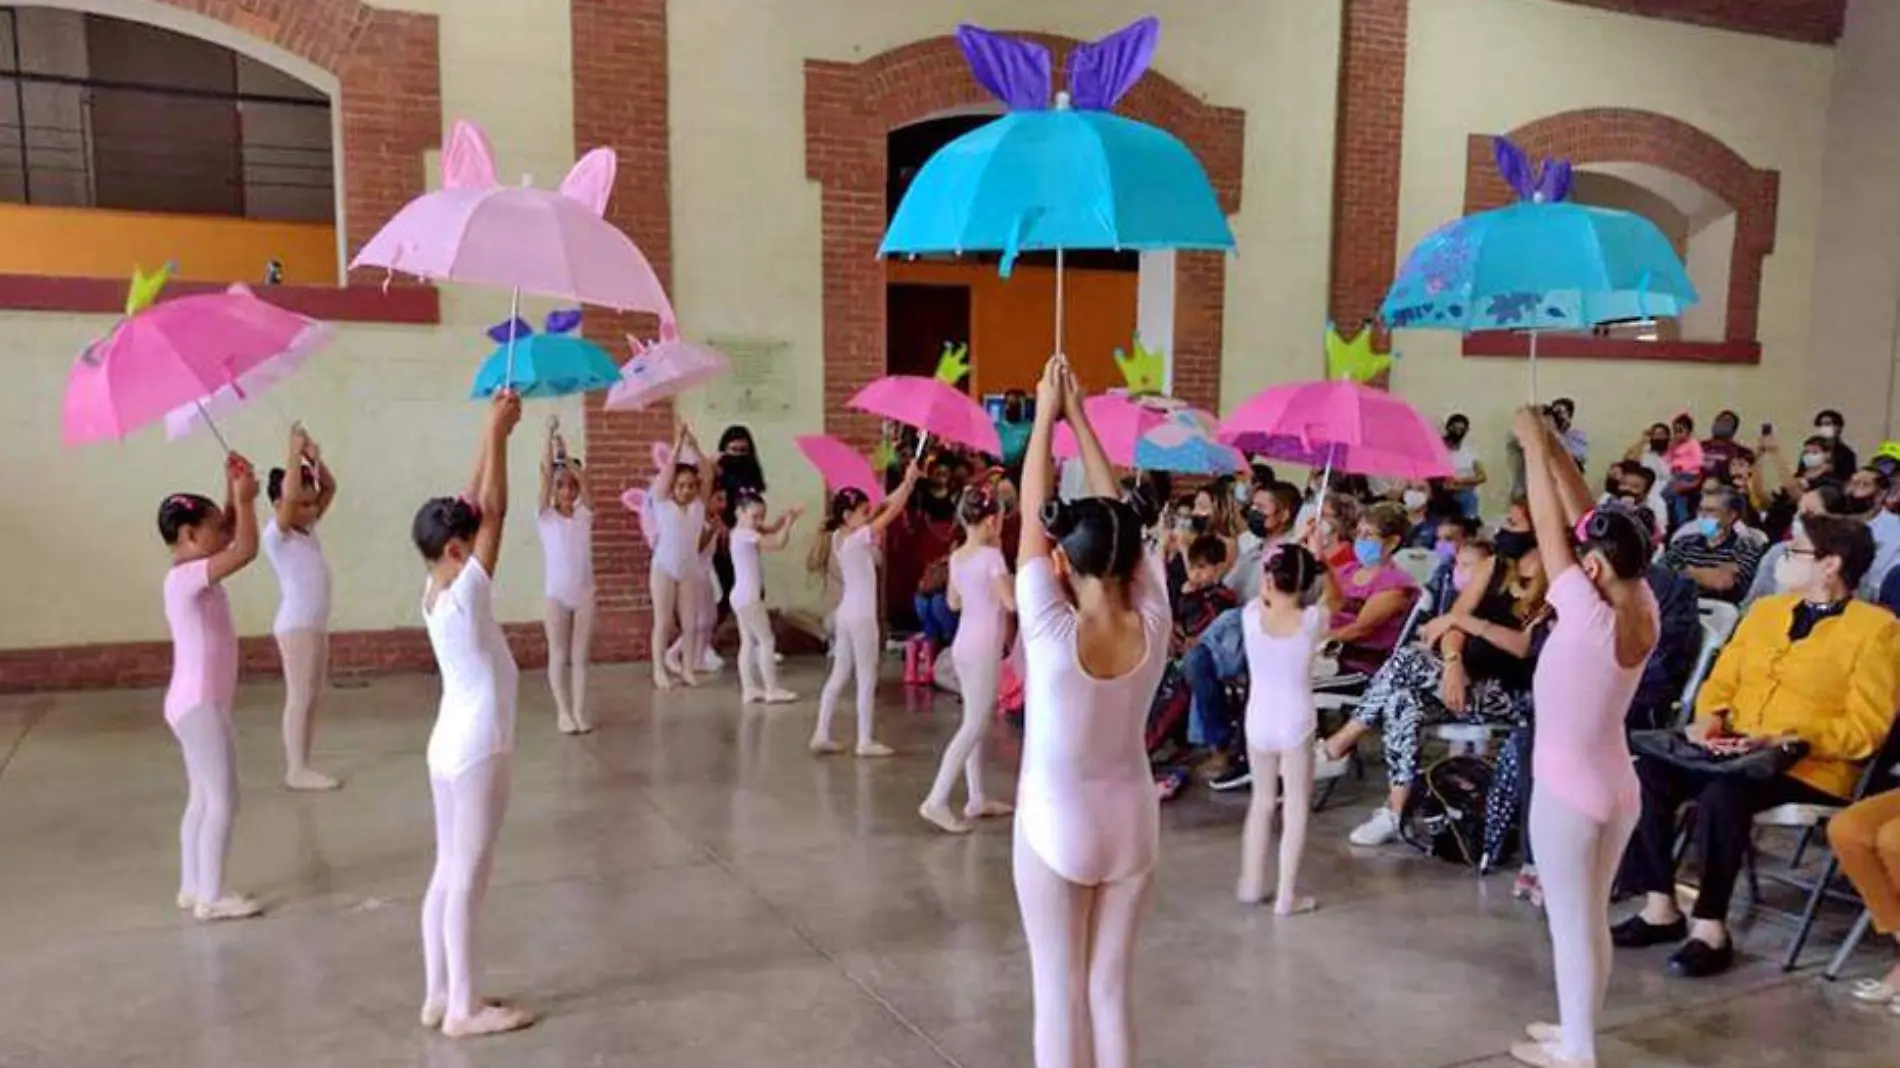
column 551, row 364
column 1542, row 263
column 1069, row 177
column 1185, row 444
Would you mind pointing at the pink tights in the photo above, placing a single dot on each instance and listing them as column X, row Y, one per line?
column 1577, row 858
column 306, row 658
column 468, row 815
column 1293, row 769
column 976, row 677
column 1081, row 962
column 209, row 740
column 854, row 651
column 675, row 599
column 570, row 633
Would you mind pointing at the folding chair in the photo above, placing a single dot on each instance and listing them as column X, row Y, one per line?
column 1719, row 619
column 1344, row 692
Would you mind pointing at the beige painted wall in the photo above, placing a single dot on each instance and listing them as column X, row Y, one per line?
column 1488, row 66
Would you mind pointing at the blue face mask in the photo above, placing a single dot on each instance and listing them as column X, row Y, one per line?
column 1445, row 550
column 1707, row 527
column 1369, row 551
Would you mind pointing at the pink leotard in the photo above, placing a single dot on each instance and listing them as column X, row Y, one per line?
column 1086, row 801
column 1280, row 713
column 980, row 626
column 204, row 642
column 1582, row 696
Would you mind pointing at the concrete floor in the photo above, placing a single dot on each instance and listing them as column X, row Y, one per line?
column 689, row 887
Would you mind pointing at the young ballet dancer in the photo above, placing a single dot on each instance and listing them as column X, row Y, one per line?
column 566, row 521
column 1094, row 606
column 758, row 651
column 1584, row 793
column 679, row 535
column 1281, row 637
column 208, row 544
column 300, row 494
column 471, row 750
column 982, row 591
column 850, row 537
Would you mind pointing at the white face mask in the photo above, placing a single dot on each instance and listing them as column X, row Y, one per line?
column 1811, row 460
column 1828, row 430
column 1794, row 574
column 1414, row 500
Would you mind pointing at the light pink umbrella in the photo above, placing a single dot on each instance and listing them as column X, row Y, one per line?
column 664, row 369
column 932, row 407
column 1119, row 421
column 174, row 354
column 840, row 465
column 185, row 418
column 1340, row 425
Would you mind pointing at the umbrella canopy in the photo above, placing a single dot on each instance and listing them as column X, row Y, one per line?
column 1119, row 421
column 933, row 407
column 175, row 354
column 1345, row 425
column 664, row 370
column 544, row 366
column 840, row 465
column 1185, row 444
column 553, row 244
column 183, row 420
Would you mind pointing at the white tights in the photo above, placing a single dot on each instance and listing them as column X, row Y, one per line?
column 853, row 648
column 758, row 651
column 306, row 657
column 1293, row 769
column 1577, row 858
column 976, row 677
column 675, row 598
column 570, row 638
column 209, row 740
column 1081, row 962
column 468, row 815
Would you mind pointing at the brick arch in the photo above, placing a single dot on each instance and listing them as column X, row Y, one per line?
column 850, row 109
column 1627, row 135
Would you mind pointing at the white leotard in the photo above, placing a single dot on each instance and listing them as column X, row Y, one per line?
column 676, row 533
column 476, row 719
column 1086, row 800
column 747, row 584
column 1280, row 712
column 303, row 576
column 856, row 554
column 567, row 552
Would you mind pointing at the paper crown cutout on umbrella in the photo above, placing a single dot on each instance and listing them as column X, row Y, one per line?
column 884, row 455
column 954, row 363
column 1547, row 183
column 144, row 290
column 1145, row 372
column 559, row 321
column 1355, row 360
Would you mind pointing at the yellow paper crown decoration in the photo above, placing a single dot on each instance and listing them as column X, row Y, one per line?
column 1145, row 371
column 1354, row 360
column 884, row 456
column 953, row 364
column 145, row 287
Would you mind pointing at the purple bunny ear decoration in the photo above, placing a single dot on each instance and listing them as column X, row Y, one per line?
column 512, row 330
column 1102, row 72
column 1547, row 185
column 563, row 320
column 1017, row 72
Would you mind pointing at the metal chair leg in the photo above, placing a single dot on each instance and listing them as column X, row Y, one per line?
column 1801, row 848
column 1808, row 914
column 1849, row 946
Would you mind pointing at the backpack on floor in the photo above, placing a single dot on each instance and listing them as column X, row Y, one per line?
column 1445, row 813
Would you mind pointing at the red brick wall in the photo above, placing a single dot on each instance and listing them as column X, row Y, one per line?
column 1371, row 131
column 1810, row 21
column 850, row 109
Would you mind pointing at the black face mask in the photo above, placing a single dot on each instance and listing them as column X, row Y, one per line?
column 1723, row 430
column 1613, row 486
column 1455, row 436
column 1858, row 504
column 1198, row 524
column 1659, row 445
column 1513, row 544
column 1257, row 523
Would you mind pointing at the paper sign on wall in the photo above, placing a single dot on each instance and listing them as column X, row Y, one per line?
column 760, row 383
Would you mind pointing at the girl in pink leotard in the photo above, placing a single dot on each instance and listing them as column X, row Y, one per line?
column 1584, row 793
column 1095, row 624
column 1281, row 636
column 981, row 591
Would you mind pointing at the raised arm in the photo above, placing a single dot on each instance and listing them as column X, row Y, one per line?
column 893, row 505
column 546, row 500
column 492, row 494
column 1566, row 476
column 1039, row 465
column 292, row 490
column 240, row 511
column 1540, row 474
column 326, row 479
column 1095, row 463
column 779, row 534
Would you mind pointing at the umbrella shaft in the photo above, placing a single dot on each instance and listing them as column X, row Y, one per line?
column 1059, row 302
column 205, row 414
column 514, row 314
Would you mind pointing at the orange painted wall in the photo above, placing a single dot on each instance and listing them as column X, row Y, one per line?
column 96, row 243
column 1013, row 320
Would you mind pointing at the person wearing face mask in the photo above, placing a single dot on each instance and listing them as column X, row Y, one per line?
column 1869, row 493
column 1422, row 512
column 1683, row 484
column 1720, row 563
column 1809, row 665
column 1514, row 538
column 1467, row 473
column 1832, row 427
column 1269, row 523
column 1822, row 500
column 1370, row 596
column 1652, row 451
column 1454, row 533
column 1634, row 484
column 1721, row 450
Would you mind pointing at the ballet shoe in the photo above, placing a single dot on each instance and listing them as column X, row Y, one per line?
column 688, row 679
column 229, row 907
column 432, row 1014
column 825, row 747
column 751, row 697
column 565, row 724
column 875, row 749
column 985, row 810
column 1542, row 1055
column 1299, row 906
column 943, row 818
column 780, row 697
column 1250, row 895
column 582, row 726
column 488, row 1020
column 306, row 780
column 662, row 680
column 186, row 902
column 672, row 660
column 1547, row 1034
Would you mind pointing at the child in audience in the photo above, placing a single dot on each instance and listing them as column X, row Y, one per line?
column 983, row 594
column 1282, row 636
column 850, row 537
column 566, row 523
column 300, row 494
column 679, row 534
column 1204, row 596
column 471, row 749
column 758, row 651
column 208, row 545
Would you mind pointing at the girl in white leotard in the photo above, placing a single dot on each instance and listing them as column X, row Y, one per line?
column 1281, row 636
column 1095, row 622
column 984, row 596
column 679, row 533
column 850, row 537
column 565, row 520
column 758, row 651
column 471, row 750
column 300, row 495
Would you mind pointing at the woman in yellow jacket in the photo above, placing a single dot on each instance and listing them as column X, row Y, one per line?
column 1810, row 664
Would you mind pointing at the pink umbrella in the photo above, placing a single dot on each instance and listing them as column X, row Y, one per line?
column 182, row 420
column 175, row 354
column 1119, row 421
column 1341, row 425
column 932, row 407
column 840, row 465
column 664, row 369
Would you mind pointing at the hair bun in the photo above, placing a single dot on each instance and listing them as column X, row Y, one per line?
column 1144, row 502
column 1058, row 518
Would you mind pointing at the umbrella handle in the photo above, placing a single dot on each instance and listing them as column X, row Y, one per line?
column 514, row 312
column 922, row 440
column 205, row 414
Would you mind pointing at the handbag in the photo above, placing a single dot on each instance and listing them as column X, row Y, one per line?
column 1757, row 765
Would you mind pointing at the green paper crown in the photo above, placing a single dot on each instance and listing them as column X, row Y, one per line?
column 145, row 287
column 953, row 364
column 884, row 456
column 1354, row 360
column 1145, row 371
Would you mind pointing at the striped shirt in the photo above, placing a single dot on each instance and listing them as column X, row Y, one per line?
column 1697, row 551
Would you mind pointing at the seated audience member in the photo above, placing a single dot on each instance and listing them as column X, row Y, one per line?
column 1421, row 516
column 1371, row 596
column 1869, row 494
column 1684, row 461
column 1744, row 477
column 1720, row 562
column 1866, row 838
column 1635, row 485
column 1467, row 472
column 1720, row 450
column 1471, row 665
column 1216, row 514
column 1215, row 660
column 1454, row 534
column 1831, row 426
column 1513, row 538
column 1652, row 451
column 1338, row 518
column 1269, row 519
column 1204, row 596
column 1817, row 464
column 1821, row 500
column 1810, row 664
column 1563, row 415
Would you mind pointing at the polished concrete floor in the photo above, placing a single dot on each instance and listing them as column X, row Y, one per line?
column 688, row 887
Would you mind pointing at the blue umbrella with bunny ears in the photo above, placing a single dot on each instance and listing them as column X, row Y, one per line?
column 554, row 363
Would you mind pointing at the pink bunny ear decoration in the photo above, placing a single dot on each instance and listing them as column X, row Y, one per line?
column 591, row 181
column 468, row 161
column 662, row 456
column 638, row 502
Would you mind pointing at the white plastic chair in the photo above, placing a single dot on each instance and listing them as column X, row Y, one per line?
column 1719, row 619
